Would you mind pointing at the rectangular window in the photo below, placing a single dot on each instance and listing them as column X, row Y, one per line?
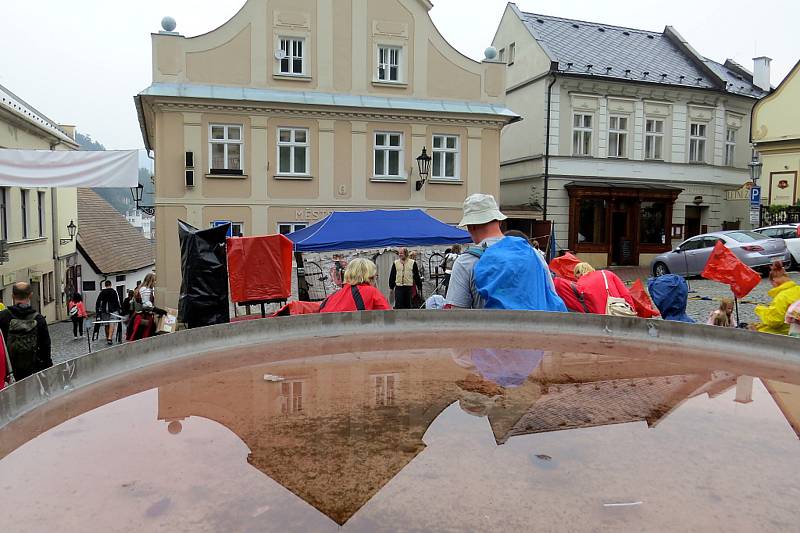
column 41, row 208
column 730, row 147
column 293, row 151
column 388, row 155
column 512, row 53
column 445, row 164
column 653, row 223
column 3, row 213
column 389, row 63
column 386, row 389
column 88, row 286
column 120, row 279
column 697, row 142
column 23, row 193
column 501, row 55
column 592, row 222
column 291, row 397
column 582, row 135
column 237, row 229
column 285, row 228
column 293, row 60
column 226, row 149
column 654, row 139
column 617, row 136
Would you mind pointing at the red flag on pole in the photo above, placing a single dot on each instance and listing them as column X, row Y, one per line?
column 725, row 267
column 564, row 266
column 644, row 306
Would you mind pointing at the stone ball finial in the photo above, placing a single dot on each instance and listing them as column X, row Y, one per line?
column 490, row 53
column 169, row 24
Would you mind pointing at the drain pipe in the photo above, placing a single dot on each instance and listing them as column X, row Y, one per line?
column 547, row 147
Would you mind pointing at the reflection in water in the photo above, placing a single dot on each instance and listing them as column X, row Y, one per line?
column 334, row 432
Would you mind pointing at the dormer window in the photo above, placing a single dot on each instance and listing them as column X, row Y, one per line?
column 293, row 56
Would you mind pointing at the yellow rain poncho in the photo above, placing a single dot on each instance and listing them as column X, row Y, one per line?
column 773, row 316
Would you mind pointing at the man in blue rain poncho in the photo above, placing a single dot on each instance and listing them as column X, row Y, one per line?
column 670, row 294
column 500, row 272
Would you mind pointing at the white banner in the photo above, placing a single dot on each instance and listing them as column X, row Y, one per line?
column 48, row 168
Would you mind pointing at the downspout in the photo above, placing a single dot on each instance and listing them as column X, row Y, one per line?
column 547, row 147
column 57, row 272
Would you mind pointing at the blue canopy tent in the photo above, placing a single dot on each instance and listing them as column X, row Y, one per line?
column 354, row 230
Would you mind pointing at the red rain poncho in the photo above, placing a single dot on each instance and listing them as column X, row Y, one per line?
column 644, row 306
column 564, row 266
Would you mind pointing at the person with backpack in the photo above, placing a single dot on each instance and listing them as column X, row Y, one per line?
column 26, row 335
column 500, row 272
column 77, row 313
column 107, row 303
column 605, row 293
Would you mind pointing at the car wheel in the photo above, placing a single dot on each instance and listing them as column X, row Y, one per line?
column 660, row 269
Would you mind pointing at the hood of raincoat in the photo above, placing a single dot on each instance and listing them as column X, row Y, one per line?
column 670, row 294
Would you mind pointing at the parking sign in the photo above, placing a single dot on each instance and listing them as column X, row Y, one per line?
column 755, row 196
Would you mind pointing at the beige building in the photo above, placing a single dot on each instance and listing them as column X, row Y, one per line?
column 632, row 140
column 34, row 221
column 776, row 136
column 295, row 108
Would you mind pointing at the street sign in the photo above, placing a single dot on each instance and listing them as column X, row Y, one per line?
column 755, row 215
column 755, row 197
column 218, row 223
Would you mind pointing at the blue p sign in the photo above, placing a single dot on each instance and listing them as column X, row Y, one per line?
column 755, row 196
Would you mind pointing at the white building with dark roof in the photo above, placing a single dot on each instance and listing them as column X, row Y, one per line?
column 631, row 140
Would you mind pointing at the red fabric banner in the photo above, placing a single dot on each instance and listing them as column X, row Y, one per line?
column 564, row 266
column 725, row 267
column 642, row 302
column 260, row 268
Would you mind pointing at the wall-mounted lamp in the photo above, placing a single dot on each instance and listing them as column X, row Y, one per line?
column 71, row 230
column 137, row 193
column 424, row 164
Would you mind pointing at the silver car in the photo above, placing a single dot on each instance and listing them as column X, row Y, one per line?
column 790, row 233
column 690, row 258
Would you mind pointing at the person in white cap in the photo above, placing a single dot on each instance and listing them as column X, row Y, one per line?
column 482, row 219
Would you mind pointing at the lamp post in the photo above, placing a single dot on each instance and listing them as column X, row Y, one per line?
column 756, row 211
column 137, row 193
column 424, row 164
column 755, row 165
column 71, row 230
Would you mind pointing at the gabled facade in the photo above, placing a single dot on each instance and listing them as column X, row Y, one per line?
column 295, row 108
column 632, row 141
column 33, row 221
column 776, row 136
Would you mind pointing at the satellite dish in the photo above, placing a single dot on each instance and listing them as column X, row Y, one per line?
column 280, row 54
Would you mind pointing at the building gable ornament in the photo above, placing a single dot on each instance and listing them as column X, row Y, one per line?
column 326, row 115
column 390, row 29
column 760, row 133
column 292, row 19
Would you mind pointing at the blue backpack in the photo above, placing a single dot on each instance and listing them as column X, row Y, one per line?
column 509, row 275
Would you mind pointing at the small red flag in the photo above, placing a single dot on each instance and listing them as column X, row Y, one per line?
column 641, row 300
column 725, row 267
column 564, row 266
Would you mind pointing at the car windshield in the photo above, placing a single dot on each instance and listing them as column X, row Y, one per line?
column 745, row 236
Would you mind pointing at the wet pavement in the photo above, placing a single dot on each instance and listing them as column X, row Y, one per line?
column 341, row 436
column 65, row 346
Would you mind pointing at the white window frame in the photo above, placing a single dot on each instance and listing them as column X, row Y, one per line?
column 385, row 395
column 730, row 146
column 512, row 53
column 655, row 138
column 698, row 143
column 294, row 226
column 292, row 144
column 582, row 132
column 24, row 206
column 292, row 403
column 387, row 65
column 387, row 149
column 234, row 226
column 621, row 135
column 40, row 196
column 291, row 55
column 443, row 151
column 226, row 141
column 4, row 198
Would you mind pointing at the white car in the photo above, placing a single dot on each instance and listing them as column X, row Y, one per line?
column 789, row 233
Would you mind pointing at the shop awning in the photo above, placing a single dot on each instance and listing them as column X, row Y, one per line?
column 638, row 185
column 358, row 230
column 51, row 168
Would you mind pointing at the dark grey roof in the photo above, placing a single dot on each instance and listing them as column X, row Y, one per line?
column 738, row 80
column 615, row 52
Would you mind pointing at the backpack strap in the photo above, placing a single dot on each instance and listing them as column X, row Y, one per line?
column 605, row 279
column 579, row 296
column 357, row 298
column 476, row 251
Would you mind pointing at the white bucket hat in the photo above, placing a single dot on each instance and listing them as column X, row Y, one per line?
column 480, row 209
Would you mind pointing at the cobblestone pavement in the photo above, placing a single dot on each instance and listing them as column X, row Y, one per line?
column 66, row 347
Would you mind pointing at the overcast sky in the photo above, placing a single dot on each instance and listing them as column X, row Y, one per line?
column 81, row 61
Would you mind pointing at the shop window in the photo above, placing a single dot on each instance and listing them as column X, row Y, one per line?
column 293, row 152
column 653, row 223
column 445, row 157
column 225, row 149
column 592, row 222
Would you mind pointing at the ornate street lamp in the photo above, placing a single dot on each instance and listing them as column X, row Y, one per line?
column 755, row 165
column 71, row 230
column 137, row 193
column 424, row 164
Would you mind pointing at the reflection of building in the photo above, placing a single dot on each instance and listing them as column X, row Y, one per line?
column 776, row 135
column 110, row 249
column 336, row 430
column 643, row 139
column 34, row 220
column 293, row 109
column 787, row 397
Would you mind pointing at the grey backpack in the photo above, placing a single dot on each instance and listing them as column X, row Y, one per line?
column 22, row 343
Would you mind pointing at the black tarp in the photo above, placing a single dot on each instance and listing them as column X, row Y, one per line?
column 204, row 287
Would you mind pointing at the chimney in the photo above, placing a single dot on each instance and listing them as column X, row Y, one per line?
column 761, row 75
column 68, row 129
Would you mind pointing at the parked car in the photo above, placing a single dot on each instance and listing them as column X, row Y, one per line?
column 789, row 233
column 689, row 259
